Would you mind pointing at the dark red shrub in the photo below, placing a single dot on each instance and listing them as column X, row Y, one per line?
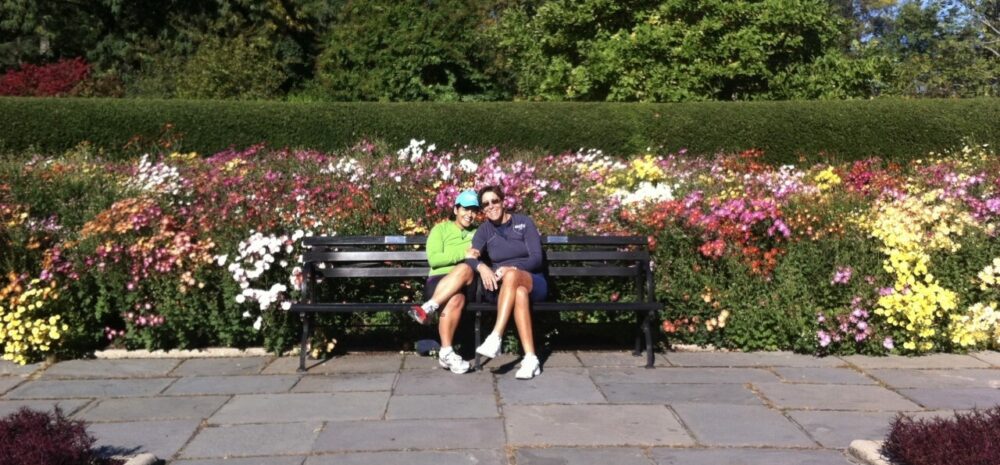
column 44, row 438
column 57, row 78
column 967, row 439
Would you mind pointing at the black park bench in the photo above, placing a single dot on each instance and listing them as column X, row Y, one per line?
column 398, row 258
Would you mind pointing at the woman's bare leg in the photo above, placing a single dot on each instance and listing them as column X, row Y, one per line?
column 508, row 294
column 522, row 318
column 450, row 317
column 452, row 283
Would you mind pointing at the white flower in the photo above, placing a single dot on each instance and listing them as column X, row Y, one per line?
column 221, row 259
column 467, row 165
column 240, row 299
column 286, row 305
column 247, row 314
column 257, row 323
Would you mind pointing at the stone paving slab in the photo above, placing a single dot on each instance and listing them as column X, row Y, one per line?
column 271, row 460
column 152, row 408
column 836, row 430
column 410, row 435
column 250, row 440
column 160, row 438
column 353, row 363
column 346, row 382
column 834, row 397
column 15, row 369
column 8, row 382
column 415, row 382
column 422, row 362
column 946, row 361
column 221, row 366
column 122, row 368
column 954, row 398
column 822, row 375
column 583, row 456
column 555, row 386
column 618, row 359
column 75, row 388
column 646, row 393
column 962, row 378
column 989, row 356
column 748, row 457
column 458, row 457
column 741, row 425
column 68, row 406
column 275, row 408
column 446, row 406
column 239, row 384
column 593, row 425
column 750, row 359
column 604, row 375
column 560, row 360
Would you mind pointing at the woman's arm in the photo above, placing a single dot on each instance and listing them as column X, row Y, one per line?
column 437, row 256
column 533, row 242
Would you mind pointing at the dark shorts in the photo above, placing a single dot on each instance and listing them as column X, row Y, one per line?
column 432, row 283
column 539, row 289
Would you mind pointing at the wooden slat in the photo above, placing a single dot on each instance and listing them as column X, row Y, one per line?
column 356, row 272
column 585, row 271
column 365, row 256
column 591, row 255
column 594, row 240
column 362, row 240
column 576, row 306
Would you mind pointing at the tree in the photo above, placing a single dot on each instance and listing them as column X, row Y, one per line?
column 405, row 50
column 673, row 50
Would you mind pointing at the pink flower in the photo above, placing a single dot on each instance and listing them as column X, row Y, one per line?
column 887, row 343
column 842, row 275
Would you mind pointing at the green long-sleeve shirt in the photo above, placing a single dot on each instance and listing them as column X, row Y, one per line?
column 446, row 246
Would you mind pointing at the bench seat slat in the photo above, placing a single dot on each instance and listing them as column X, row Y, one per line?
column 475, row 307
column 419, row 240
column 575, row 306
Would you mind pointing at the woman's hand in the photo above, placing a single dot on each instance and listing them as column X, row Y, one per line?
column 472, row 253
column 489, row 278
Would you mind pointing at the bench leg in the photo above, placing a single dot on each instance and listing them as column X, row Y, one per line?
column 647, row 328
column 304, row 341
column 639, row 323
column 479, row 317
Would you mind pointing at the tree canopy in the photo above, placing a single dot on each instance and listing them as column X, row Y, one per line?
column 569, row 50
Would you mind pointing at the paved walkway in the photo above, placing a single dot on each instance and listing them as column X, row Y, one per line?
column 586, row 408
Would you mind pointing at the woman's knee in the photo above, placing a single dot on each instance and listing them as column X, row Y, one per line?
column 463, row 271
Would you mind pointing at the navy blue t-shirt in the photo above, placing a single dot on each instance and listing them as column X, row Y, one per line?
column 515, row 243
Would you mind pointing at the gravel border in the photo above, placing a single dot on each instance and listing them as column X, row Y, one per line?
column 868, row 452
column 212, row 352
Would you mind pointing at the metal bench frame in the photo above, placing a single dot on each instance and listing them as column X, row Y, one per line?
column 379, row 257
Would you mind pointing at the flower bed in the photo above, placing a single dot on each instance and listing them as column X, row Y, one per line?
column 179, row 251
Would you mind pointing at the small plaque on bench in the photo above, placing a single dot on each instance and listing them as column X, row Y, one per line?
column 395, row 239
column 558, row 239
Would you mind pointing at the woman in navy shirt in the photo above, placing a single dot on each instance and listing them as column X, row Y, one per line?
column 512, row 246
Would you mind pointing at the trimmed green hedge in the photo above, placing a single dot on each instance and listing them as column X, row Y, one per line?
column 891, row 128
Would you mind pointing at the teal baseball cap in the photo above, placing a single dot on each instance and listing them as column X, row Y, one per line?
column 468, row 199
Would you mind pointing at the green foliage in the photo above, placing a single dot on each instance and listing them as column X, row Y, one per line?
column 391, row 50
column 670, row 51
column 786, row 131
column 230, row 69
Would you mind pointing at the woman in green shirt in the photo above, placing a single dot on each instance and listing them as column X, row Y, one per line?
column 447, row 251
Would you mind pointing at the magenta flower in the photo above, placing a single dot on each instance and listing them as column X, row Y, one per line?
column 842, row 275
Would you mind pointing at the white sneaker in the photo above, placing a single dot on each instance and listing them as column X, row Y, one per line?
column 530, row 368
column 490, row 347
column 453, row 362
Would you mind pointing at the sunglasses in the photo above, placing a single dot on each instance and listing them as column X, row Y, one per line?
column 490, row 203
